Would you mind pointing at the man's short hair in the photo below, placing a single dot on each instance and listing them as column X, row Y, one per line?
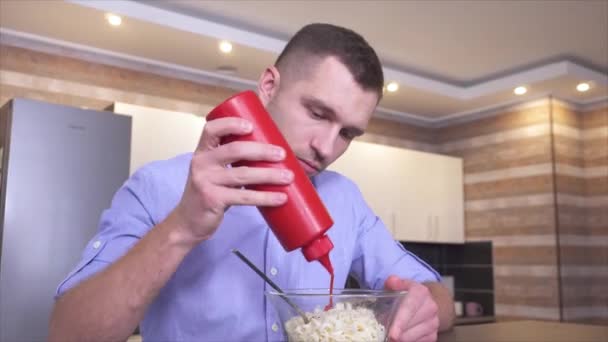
column 325, row 40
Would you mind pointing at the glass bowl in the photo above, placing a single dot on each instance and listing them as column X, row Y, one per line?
column 356, row 314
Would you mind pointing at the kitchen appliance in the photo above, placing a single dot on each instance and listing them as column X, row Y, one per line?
column 60, row 168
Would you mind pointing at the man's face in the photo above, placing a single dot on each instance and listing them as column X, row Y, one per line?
column 321, row 113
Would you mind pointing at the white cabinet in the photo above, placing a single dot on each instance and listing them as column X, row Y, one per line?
column 418, row 195
column 158, row 134
column 431, row 187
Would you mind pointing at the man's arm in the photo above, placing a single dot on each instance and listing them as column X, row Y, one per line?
column 109, row 305
column 445, row 304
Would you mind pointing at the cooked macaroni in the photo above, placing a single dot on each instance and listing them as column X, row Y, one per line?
column 341, row 323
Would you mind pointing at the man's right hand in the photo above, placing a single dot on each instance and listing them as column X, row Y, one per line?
column 212, row 187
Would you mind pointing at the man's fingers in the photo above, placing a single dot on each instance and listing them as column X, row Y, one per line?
column 247, row 150
column 392, row 283
column 432, row 337
column 395, row 283
column 426, row 312
column 253, row 198
column 419, row 333
column 214, row 130
column 406, row 310
column 417, row 314
column 402, row 317
column 239, row 176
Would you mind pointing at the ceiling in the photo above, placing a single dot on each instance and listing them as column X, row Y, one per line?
column 452, row 59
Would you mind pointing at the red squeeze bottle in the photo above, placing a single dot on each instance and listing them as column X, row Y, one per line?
column 303, row 220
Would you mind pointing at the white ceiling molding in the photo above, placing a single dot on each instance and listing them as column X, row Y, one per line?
column 96, row 55
column 591, row 106
column 394, row 115
column 186, row 23
column 479, row 113
column 485, row 112
column 217, row 30
column 579, row 104
column 538, row 74
column 424, row 83
column 587, row 74
column 121, row 60
column 200, row 26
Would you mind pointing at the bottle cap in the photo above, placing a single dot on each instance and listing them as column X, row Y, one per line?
column 317, row 248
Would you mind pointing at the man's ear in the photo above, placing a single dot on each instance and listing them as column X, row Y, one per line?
column 268, row 85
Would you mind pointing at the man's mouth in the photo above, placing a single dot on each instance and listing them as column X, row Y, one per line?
column 309, row 167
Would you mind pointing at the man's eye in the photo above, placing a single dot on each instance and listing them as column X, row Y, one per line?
column 347, row 135
column 316, row 115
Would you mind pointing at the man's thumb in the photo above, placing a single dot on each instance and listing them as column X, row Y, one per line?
column 395, row 283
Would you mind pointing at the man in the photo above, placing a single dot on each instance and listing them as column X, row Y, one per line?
column 162, row 254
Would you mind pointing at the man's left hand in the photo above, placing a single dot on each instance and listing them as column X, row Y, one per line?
column 417, row 318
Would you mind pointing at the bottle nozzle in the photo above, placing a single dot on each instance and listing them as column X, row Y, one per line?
column 324, row 260
column 318, row 248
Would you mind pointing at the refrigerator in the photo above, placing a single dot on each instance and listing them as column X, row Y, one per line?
column 60, row 169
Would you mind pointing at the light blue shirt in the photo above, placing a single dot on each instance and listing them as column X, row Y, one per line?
column 213, row 296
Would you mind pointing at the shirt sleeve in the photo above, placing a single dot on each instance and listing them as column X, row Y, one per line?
column 377, row 255
column 120, row 227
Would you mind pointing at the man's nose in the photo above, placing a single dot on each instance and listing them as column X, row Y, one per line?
column 323, row 144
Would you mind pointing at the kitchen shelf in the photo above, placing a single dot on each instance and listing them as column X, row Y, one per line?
column 474, row 290
column 467, row 266
column 474, row 320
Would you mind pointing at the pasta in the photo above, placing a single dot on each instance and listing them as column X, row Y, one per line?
column 341, row 323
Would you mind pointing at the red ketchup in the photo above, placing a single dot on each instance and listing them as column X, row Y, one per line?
column 331, row 284
column 302, row 222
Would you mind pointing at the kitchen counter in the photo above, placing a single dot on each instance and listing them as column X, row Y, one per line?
column 517, row 331
column 474, row 320
column 526, row 331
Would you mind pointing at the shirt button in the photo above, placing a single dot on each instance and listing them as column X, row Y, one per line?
column 275, row 327
column 273, row 271
column 96, row 244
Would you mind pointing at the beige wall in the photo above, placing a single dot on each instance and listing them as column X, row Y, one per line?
column 56, row 79
column 509, row 199
column 515, row 166
column 536, row 180
column 581, row 154
column 398, row 134
column 69, row 81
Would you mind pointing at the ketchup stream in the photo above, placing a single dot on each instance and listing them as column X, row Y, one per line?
column 331, row 292
column 324, row 260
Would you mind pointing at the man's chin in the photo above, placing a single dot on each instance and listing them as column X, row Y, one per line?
column 308, row 169
column 311, row 175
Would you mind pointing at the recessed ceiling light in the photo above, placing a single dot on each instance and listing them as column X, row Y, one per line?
column 392, row 87
column 520, row 90
column 225, row 46
column 113, row 19
column 583, row 87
